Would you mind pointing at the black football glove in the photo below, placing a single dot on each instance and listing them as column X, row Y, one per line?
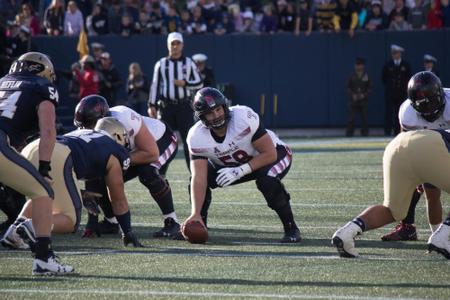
column 44, row 169
column 90, row 202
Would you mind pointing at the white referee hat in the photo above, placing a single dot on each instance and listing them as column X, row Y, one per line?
column 174, row 36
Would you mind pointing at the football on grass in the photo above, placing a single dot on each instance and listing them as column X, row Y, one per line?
column 194, row 232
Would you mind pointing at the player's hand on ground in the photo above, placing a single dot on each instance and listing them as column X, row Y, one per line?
column 89, row 200
column 229, row 175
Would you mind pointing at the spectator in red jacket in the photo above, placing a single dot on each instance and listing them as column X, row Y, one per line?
column 434, row 19
column 84, row 72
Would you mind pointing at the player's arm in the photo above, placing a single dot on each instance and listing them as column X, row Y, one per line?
column 199, row 182
column 146, row 150
column 116, row 187
column 267, row 152
column 47, row 129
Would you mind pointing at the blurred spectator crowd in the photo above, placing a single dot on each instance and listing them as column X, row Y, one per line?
column 130, row 17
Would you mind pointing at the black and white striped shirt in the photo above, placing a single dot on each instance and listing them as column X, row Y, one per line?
column 165, row 72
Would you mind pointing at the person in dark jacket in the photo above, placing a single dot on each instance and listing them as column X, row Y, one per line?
column 395, row 76
column 109, row 78
column 359, row 87
column 206, row 72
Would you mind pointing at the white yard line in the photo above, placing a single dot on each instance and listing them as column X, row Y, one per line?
column 61, row 292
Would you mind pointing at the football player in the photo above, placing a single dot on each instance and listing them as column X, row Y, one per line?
column 153, row 146
column 27, row 106
column 410, row 159
column 82, row 155
column 230, row 146
column 427, row 107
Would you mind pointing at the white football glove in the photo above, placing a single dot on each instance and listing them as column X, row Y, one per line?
column 229, row 175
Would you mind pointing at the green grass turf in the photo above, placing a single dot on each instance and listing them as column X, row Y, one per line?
column 330, row 182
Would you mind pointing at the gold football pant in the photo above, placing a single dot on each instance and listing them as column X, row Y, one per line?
column 67, row 194
column 413, row 158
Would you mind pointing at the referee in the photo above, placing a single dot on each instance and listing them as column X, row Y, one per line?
column 175, row 79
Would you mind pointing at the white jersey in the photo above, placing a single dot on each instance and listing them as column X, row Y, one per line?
column 156, row 127
column 236, row 148
column 131, row 120
column 410, row 119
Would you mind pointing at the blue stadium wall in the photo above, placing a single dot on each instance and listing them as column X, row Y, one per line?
column 306, row 75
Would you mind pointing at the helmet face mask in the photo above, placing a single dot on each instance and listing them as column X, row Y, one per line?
column 427, row 95
column 207, row 100
column 89, row 110
column 115, row 130
column 36, row 63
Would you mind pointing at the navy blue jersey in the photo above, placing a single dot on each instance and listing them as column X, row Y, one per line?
column 20, row 96
column 91, row 150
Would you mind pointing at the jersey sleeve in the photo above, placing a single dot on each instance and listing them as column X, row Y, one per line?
column 129, row 118
column 47, row 91
column 251, row 119
column 123, row 156
column 195, row 152
column 407, row 116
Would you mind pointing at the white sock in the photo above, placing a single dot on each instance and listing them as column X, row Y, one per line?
column 434, row 227
column 112, row 220
column 172, row 215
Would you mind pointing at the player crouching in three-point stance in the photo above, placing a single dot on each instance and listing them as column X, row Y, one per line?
column 27, row 106
column 83, row 155
column 230, row 146
column 412, row 158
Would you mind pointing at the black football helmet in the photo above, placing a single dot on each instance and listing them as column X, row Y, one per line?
column 427, row 95
column 89, row 110
column 207, row 99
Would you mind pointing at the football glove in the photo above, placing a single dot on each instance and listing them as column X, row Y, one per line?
column 44, row 169
column 89, row 200
column 229, row 175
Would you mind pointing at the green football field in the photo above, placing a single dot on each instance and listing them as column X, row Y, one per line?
column 330, row 182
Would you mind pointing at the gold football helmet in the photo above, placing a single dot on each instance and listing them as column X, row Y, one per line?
column 115, row 130
column 36, row 63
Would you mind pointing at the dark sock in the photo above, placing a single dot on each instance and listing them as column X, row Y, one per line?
column 165, row 201
column 410, row 217
column 42, row 248
column 106, row 206
column 92, row 221
column 358, row 221
column 125, row 222
column 286, row 217
column 447, row 221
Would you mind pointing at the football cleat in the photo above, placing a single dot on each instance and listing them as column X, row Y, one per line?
column 344, row 240
column 401, row 232
column 5, row 225
column 131, row 238
column 90, row 233
column 106, row 227
column 26, row 231
column 439, row 241
column 292, row 236
column 50, row 267
column 12, row 240
column 171, row 229
column 92, row 227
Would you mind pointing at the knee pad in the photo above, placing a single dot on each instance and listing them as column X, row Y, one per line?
column 155, row 183
column 273, row 191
